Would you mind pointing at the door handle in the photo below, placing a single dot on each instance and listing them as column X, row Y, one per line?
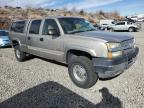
column 28, row 38
column 41, row 39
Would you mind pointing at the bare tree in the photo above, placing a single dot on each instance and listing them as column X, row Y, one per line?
column 65, row 9
column 82, row 12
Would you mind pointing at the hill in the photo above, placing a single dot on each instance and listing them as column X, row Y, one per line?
column 8, row 14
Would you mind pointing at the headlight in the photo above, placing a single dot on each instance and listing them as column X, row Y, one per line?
column 114, row 50
column 1, row 41
column 114, row 54
column 113, row 46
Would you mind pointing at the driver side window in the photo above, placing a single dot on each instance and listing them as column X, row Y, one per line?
column 50, row 24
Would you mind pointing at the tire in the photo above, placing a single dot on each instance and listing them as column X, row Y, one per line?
column 105, row 29
column 20, row 56
column 111, row 30
column 131, row 29
column 84, row 63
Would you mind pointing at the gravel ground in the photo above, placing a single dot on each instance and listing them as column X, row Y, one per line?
column 40, row 83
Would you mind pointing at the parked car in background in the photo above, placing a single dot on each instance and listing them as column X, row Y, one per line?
column 98, row 27
column 140, row 19
column 124, row 26
column 105, row 24
column 4, row 38
column 135, row 18
column 129, row 20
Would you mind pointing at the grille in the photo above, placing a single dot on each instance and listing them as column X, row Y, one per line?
column 6, row 40
column 128, row 44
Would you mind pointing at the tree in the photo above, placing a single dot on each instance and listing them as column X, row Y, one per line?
column 101, row 12
column 65, row 9
column 82, row 12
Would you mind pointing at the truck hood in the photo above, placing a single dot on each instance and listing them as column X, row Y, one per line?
column 108, row 36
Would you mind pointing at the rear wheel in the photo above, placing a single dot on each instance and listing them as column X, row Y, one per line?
column 81, row 71
column 111, row 30
column 20, row 56
column 131, row 29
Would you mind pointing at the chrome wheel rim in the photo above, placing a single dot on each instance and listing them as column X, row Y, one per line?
column 130, row 30
column 111, row 30
column 18, row 53
column 79, row 73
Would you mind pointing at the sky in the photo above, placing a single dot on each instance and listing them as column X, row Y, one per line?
column 124, row 7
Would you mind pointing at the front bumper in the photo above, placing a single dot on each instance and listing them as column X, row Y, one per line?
column 109, row 68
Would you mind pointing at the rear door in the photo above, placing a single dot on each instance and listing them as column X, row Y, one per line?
column 18, row 32
column 33, row 37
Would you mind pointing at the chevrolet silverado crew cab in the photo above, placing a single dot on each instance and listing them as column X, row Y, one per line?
column 89, row 54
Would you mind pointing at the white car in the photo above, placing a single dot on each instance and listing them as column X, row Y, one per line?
column 105, row 24
column 124, row 26
column 135, row 18
column 140, row 19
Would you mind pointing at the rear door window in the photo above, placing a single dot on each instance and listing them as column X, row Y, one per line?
column 121, row 23
column 18, row 26
column 35, row 27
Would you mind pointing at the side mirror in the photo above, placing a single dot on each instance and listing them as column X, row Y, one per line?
column 53, row 32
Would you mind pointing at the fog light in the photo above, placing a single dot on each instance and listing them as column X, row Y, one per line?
column 114, row 54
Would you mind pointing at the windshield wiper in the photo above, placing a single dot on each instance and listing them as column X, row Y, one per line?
column 91, row 30
column 73, row 32
column 76, row 32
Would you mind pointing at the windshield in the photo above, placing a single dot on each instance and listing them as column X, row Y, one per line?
column 75, row 25
column 3, row 33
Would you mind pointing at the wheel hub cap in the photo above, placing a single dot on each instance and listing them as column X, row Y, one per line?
column 79, row 73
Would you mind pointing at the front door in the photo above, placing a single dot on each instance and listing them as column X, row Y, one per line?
column 120, row 26
column 52, row 45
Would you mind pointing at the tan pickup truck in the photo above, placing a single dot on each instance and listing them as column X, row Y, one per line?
column 89, row 54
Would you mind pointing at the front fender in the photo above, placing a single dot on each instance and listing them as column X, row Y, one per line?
column 81, row 48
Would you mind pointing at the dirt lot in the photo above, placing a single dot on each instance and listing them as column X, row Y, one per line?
column 39, row 83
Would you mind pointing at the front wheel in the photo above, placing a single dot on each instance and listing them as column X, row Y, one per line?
column 20, row 56
column 82, row 72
